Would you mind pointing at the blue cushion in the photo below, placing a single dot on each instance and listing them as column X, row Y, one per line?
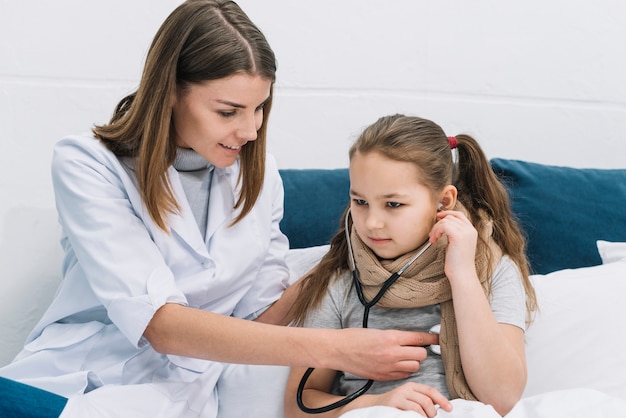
column 18, row 400
column 314, row 202
column 564, row 210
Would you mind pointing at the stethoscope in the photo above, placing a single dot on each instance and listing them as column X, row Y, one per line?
column 366, row 305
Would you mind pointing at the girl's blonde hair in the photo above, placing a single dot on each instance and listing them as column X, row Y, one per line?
column 423, row 143
column 201, row 40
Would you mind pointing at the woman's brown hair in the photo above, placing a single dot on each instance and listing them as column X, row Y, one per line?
column 201, row 40
column 423, row 143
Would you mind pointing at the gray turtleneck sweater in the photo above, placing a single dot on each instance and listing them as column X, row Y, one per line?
column 195, row 174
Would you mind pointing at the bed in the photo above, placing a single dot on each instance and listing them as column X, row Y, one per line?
column 576, row 227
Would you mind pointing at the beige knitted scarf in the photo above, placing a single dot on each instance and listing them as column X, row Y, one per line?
column 423, row 283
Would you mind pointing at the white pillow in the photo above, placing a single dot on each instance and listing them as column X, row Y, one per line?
column 257, row 391
column 301, row 260
column 611, row 251
column 577, row 338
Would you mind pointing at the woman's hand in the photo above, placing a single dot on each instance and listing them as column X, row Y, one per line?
column 379, row 354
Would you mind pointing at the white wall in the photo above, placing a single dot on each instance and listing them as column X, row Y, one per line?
column 538, row 81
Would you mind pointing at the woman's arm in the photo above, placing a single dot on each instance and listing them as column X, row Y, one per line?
column 376, row 354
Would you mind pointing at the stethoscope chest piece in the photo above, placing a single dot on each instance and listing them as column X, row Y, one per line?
column 435, row 348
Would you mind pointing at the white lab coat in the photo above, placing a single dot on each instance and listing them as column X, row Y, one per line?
column 119, row 268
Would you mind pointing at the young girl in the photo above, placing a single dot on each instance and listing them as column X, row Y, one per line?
column 428, row 212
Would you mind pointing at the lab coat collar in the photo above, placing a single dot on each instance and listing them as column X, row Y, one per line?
column 221, row 202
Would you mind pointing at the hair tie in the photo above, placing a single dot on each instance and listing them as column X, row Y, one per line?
column 454, row 150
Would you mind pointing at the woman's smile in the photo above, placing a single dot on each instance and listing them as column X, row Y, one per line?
column 217, row 118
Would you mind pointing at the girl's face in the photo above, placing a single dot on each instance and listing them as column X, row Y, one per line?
column 216, row 118
column 392, row 212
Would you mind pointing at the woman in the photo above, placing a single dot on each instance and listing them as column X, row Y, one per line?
column 170, row 217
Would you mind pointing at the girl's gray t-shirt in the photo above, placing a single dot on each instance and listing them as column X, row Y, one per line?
column 341, row 308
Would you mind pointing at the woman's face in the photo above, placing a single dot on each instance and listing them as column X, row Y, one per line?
column 392, row 212
column 216, row 118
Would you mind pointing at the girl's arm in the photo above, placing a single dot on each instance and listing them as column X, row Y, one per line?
column 409, row 397
column 381, row 355
column 492, row 354
column 278, row 313
column 315, row 395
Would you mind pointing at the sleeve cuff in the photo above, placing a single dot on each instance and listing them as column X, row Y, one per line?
column 132, row 314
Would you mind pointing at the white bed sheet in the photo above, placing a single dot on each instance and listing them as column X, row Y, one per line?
column 570, row 403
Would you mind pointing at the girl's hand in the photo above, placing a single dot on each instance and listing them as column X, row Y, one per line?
column 462, row 237
column 412, row 396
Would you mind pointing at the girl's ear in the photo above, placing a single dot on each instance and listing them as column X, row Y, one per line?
column 448, row 197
